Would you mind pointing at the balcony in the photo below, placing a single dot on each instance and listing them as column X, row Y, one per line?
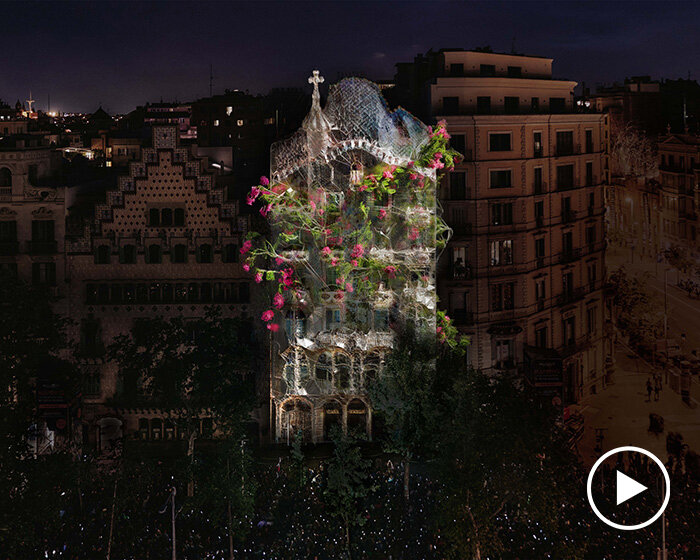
column 562, row 151
column 571, row 296
column 569, row 255
column 8, row 248
column 41, row 247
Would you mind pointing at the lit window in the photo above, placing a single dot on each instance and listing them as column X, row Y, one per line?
column 216, row 122
column 239, row 122
column 229, row 110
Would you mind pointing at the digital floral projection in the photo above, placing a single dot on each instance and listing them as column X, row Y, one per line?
column 353, row 209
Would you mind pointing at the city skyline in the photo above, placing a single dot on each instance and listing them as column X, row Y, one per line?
column 132, row 65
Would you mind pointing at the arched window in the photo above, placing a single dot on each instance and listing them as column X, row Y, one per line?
column 295, row 324
column 5, row 177
column 179, row 217
column 324, row 366
column 154, row 254
column 342, row 370
column 357, row 416
column 332, row 416
column 205, row 253
column 166, row 217
column 179, row 253
column 102, row 254
column 372, row 367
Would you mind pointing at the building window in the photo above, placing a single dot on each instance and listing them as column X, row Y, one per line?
column 458, row 185
column 565, row 177
column 456, row 69
column 502, row 296
column 569, row 331
column 8, row 231
column 332, row 319
column 127, row 254
column 154, row 254
column 541, row 337
column 538, row 184
column 539, row 213
column 589, row 141
column 381, row 320
column 487, row 70
column 450, row 105
column 229, row 110
column 591, row 320
column 501, row 252
column 216, row 122
column 539, row 247
column 483, row 105
column 460, row 267
column 102, row 254
column 557, row 104
column 230, row 254
column 166, row 217
column 592, row 274
column 5, row 177
column 502, row 214
column 499, row 142
column 511, row 105
column 500, row 179
column 537, row 144
column 44, row 273
column 535, row 104
column 179, row 217
column 205, row 253
column 244, row 292
column 565, row 143
column 154, row 217
column 503, row 353
column 179, row 253
column 42, row 230
column 540, row 290
column 589, row 173
column 459, row 143
column 590, row 236
column 91, row 339
column 515, row 71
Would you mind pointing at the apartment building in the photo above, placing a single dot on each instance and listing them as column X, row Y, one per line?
column 679, row 177
column 523, row 274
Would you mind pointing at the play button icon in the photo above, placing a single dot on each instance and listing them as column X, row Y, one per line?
column 627, row 487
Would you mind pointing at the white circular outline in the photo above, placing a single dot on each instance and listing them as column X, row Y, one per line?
column 667, row 493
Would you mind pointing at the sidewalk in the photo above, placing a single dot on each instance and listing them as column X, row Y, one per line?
column 622, row 409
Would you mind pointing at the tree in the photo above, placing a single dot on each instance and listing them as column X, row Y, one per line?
column 195, row 368
column 633, row 154
column 33, row 490
column 503, row 464
column 404, row 397
column 638, row 313
column 347, row 484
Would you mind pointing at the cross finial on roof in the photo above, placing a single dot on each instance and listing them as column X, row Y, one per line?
column 316, row 79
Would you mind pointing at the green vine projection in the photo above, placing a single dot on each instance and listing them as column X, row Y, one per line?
column 377, row 238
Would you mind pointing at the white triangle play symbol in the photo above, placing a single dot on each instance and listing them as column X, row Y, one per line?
column 627, row 487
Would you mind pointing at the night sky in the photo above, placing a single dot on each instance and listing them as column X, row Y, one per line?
column 125, row 54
